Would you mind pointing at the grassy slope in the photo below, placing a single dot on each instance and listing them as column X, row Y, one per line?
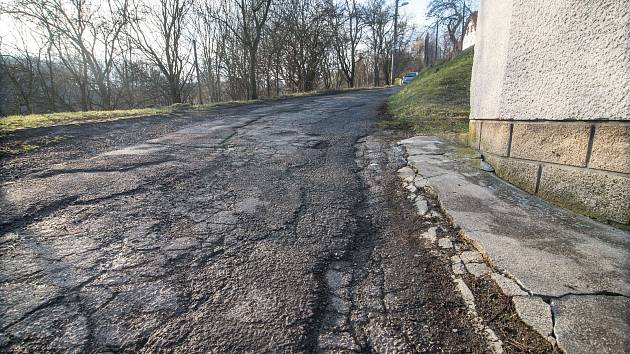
column 437, row 101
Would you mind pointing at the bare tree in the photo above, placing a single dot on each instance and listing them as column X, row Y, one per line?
column 347, row 25
column 246, row 19
column 135, row 53
column 158, row 32
column 377, row 17
column 84, row 33
column 211, row 42
column 19, row 68
column 453, row 14
column 303, row 35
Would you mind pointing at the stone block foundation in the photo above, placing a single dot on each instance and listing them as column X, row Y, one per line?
column 582, row 166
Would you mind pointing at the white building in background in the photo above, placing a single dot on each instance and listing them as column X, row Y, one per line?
column 471, row 30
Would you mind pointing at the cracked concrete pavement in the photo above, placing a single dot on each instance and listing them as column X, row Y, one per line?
column 568, row 275
column 269, row 227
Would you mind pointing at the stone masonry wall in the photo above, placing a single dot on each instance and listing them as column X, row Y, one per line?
column 550, row 100
column 580, row 166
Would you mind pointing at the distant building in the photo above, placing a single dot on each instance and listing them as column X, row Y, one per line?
column 471, row 30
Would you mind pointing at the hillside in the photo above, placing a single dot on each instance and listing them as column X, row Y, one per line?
column 437, row 101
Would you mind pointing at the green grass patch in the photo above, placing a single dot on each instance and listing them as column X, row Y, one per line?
column 15, row 122
column 437, row 102
column 16, row 149
column 11, row 147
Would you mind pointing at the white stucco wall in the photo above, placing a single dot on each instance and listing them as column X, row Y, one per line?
column 491, row 43
column 552, row 60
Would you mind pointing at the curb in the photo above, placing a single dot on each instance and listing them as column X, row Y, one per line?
column 463, row 262
column 477, row 263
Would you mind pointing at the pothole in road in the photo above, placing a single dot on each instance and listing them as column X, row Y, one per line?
column 320, row 145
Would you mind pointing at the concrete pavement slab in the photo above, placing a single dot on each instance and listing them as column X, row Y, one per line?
column 445, row 243
column 508, row 286
column 593, row 324
column 536, row 313
column 478, row 269
column 552, row 252
column 422, row 206
column 406, row 174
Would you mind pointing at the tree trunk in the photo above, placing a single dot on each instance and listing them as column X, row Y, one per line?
column 351, row 77
column 84, row 97
column 176, row 96
column 377, row 80
column 106, row 100
column 253, row 89
column 197, row 71
column 277, row 73
column 49, row 63
column 86, row 87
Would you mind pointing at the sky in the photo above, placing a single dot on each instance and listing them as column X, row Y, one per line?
column 416, row 12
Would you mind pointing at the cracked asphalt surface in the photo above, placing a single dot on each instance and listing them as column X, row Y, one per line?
column 276, row 227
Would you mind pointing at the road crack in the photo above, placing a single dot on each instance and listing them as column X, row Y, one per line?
column 51, row 173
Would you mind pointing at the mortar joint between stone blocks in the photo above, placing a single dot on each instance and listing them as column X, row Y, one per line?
column 589, row 148
column 509, row 145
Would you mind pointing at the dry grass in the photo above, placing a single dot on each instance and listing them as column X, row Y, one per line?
column 15, row 122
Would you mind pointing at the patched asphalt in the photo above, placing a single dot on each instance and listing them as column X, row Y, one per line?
column 276, row 227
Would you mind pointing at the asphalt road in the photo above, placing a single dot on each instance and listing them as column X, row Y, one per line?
column 275, row 227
